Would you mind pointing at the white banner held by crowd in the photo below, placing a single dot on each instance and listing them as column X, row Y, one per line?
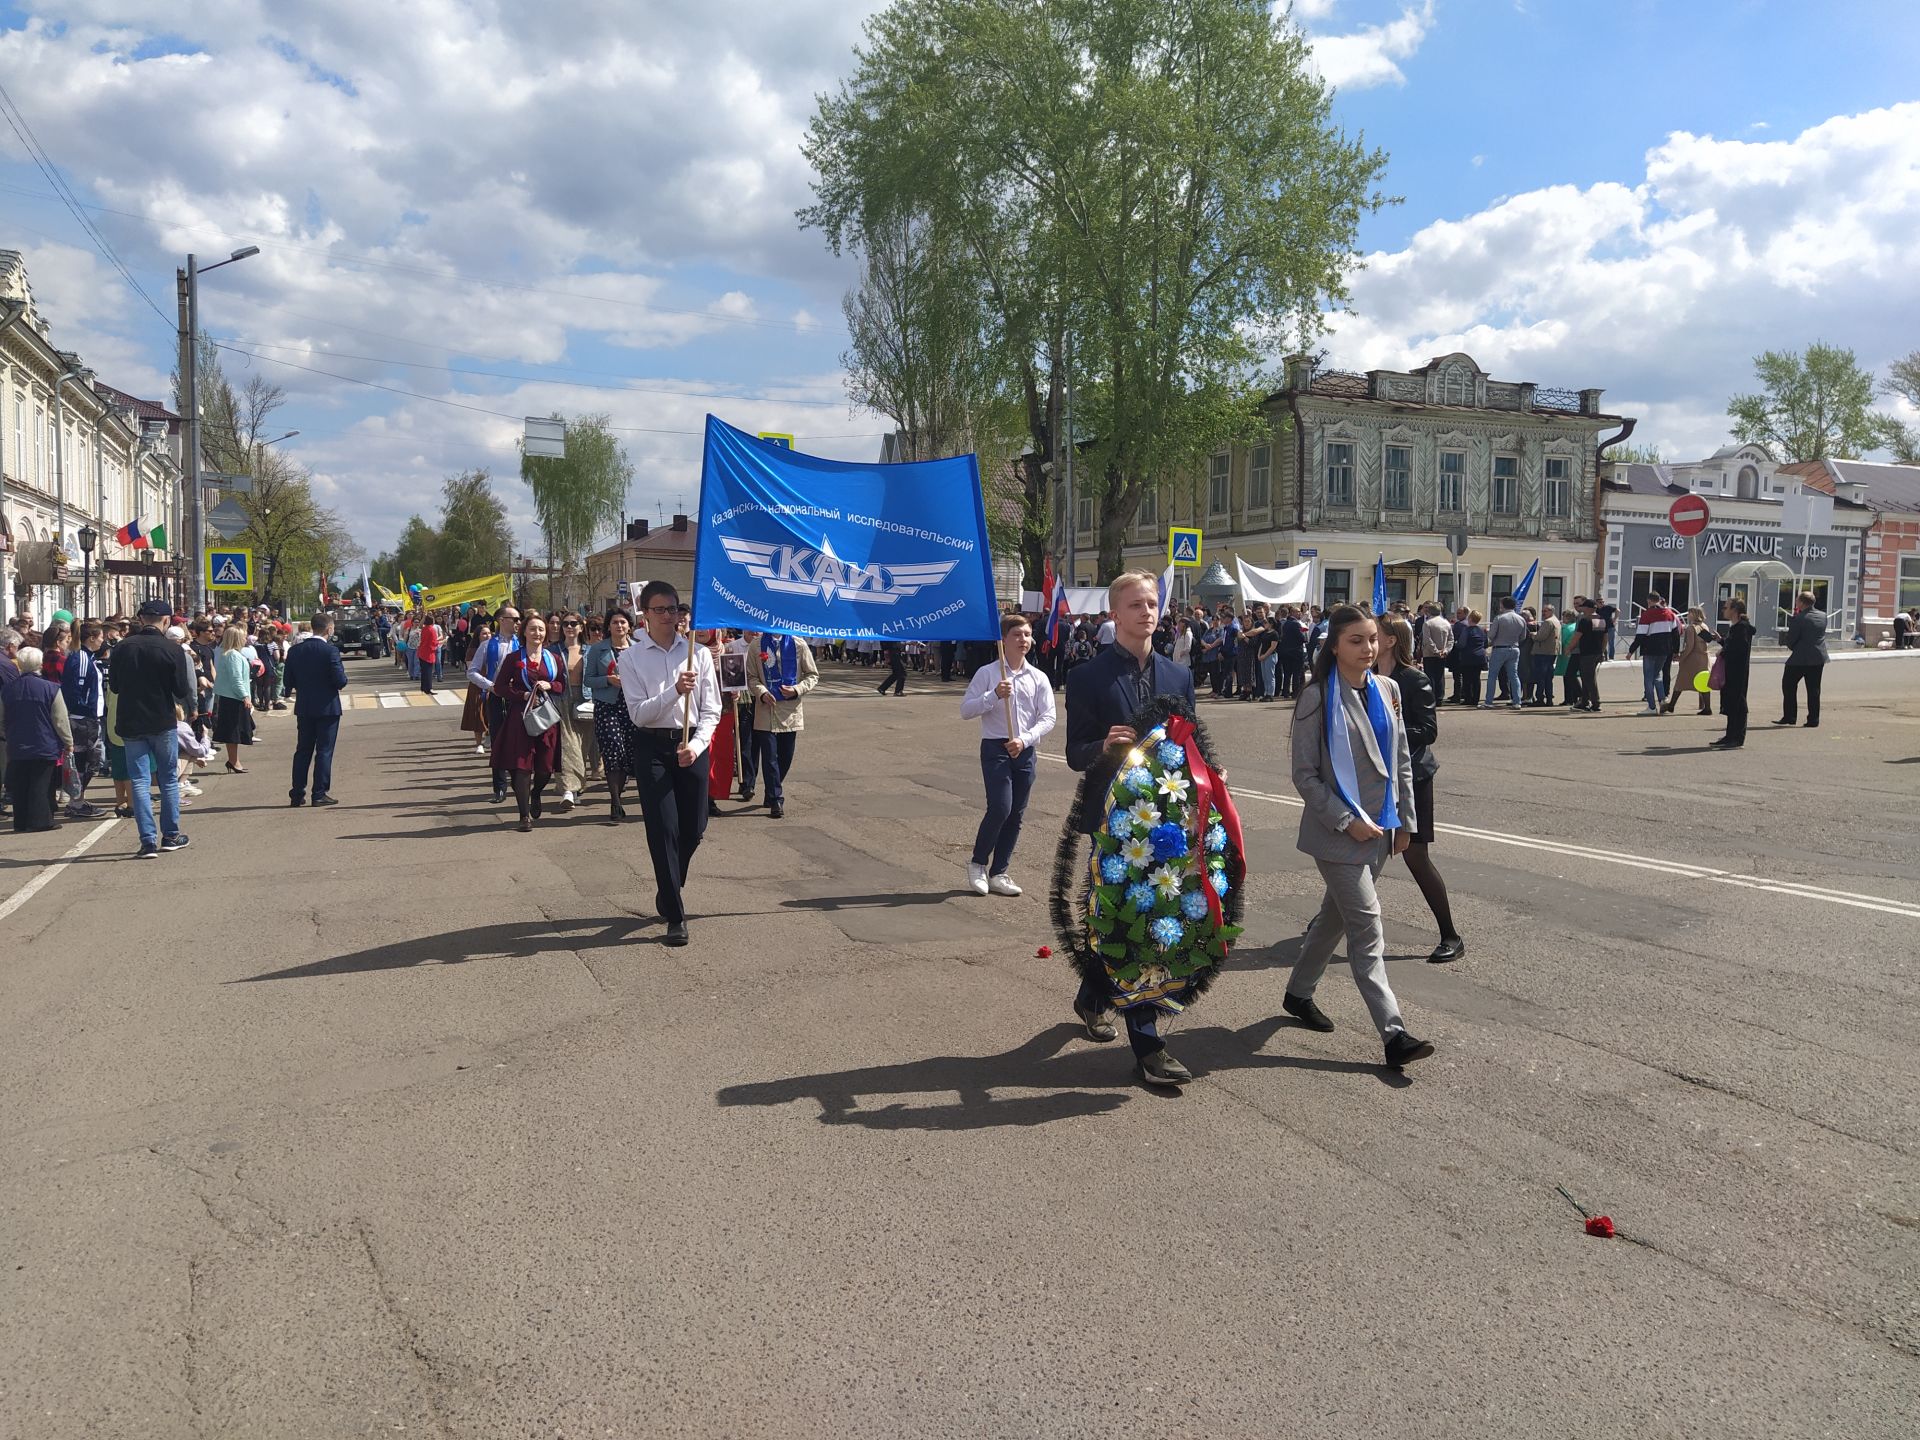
column 1292, row 586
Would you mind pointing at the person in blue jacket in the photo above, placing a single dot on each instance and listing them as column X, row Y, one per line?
column 315, row 676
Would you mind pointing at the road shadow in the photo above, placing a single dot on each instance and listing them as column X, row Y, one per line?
column 1903, row 760
column 1087, row 1080
column 1703, row 748
column 892, row 900
column 515, row 940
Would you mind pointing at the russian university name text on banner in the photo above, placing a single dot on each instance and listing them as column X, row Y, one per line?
column 798, row 545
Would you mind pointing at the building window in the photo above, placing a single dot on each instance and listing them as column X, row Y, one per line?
column 1399, row 478
column 19, row 434
column 39, row 476
column 1675, row 585
column 1336, row 588
column 1149, row 516
column 1506, row 485
column 1502, row 585
column 1219, row 484
column 1558, row 496
column 1443, row 592
column 1260, row 478
column 1340, row 474
column 1553, row 591
column 1086, row 515
column 1909, row 595
column 1453, row 479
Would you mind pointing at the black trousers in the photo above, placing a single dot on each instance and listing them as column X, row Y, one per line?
column 896, row 675
column 673, row 803
column 313, row 747
column 1733, row 708
column 1436, row 668
column 1789, row 692
column 771, row 757
column 1589, row 679
column 496, row 718
column 31, row 783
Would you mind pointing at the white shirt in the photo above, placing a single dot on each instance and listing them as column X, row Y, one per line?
column 1104, row 636
column 1033, row 713
column 648, row 676
column 478, row 675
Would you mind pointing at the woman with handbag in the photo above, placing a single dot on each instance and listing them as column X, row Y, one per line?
column 1731, row 670
column 527, row 744
column 1693, row 663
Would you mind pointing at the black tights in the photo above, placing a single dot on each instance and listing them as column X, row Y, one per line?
column 1432, row 888
column 527, row 790
column 616, row 782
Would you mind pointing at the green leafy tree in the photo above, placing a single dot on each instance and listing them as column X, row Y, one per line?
column 1635, row 455
column 1815, row 406
column 474, row 538
column 1903, row 380
column 581, row 496
column 1155, row 190
column 416, row 555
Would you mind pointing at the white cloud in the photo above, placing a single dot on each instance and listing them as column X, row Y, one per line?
column 1663, row 291
column 1368, row 56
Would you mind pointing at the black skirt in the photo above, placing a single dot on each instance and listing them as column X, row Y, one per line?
column 1422, row 810
column 231, row 723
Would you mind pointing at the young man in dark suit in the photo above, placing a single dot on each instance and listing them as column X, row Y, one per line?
column 315, row 676
column 1103, row 696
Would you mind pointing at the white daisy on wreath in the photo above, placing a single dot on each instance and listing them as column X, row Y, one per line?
column 1166, row 880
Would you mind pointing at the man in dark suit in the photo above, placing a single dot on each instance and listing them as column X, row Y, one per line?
column 1806, row 660
column 315, row 676
column 1103, row 696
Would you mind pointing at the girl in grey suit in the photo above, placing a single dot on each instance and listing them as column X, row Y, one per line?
column 1355, row 773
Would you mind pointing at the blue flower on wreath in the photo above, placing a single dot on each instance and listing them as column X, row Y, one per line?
column 1120, row 823
column 1169, row 841
column 1171, row 755
column 1113, row 869
column 1140, row 896
column 1216, row 839
column 1220, row 885
column 1193, row 905
column 1167, row 932
column 1138, row 778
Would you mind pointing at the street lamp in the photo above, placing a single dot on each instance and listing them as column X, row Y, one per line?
column 88, row 537
column 189, row 283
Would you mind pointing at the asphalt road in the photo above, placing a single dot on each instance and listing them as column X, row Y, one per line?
column 387, row 1119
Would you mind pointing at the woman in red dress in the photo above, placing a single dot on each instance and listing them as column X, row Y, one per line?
column 720, row 777
column 525, row 678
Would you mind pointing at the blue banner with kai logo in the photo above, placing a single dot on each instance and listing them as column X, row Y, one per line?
column 797, row 545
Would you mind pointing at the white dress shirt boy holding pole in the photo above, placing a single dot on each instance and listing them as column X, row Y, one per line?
column 1006, row 757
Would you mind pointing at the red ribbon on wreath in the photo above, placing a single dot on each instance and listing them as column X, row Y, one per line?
column 1209, row 794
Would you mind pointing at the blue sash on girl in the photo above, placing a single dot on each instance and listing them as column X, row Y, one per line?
column 1346, row 781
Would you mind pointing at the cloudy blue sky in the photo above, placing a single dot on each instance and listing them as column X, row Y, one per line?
column 516, row 208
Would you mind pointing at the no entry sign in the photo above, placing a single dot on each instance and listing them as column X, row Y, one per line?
column 1689, row 515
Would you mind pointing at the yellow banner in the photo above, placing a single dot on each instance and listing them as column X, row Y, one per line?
column 494, row 589
column 389, row 596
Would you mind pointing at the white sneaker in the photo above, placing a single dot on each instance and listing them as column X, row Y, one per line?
column 190, row 789
column 479, row 749
column 1649, row 711
column 567, row 802
column 977, row 879
column 1002, row 885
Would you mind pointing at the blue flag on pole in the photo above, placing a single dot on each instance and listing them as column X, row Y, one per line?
column 1380, row 585
column 1526, row 584
column 799, row 545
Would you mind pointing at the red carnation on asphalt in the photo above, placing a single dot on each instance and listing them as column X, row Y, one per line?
column 1045, row 952
column 1600, row 1225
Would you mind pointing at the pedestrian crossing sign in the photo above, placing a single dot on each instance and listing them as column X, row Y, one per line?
column 228, row 568
column 776, row 437
column 1183, row 548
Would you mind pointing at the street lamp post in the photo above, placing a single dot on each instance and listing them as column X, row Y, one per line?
column 88, row 537
column 189, row 279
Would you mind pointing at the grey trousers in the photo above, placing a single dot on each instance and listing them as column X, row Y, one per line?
column 1352, row 908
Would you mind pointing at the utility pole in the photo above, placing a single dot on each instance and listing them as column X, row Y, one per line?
column 189, row 281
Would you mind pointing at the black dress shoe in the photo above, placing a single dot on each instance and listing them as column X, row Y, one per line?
column 325, row 800
column 499, row 797
column 1403, row 1049
column 676, row 933
column 1783, row 722
column 1302, row 1008
column 1813, row 725
column 776, row 811
column 1160, row 1068
column 713, row 808
column 296, row 800
column 617, row 813
column 1099, row 1026
column 1451, row 948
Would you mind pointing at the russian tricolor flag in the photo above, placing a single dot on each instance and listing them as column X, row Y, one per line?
column 134, row 533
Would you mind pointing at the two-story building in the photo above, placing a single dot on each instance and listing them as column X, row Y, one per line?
column 74, row 454
column 1890, row 556
column 1394, row 464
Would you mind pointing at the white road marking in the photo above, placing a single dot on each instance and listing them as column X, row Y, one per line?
column 40, row 882
column 1682, row 868
column 391, row 700
column 448, row 697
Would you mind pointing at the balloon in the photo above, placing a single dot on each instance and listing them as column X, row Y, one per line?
column 1700, row 682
